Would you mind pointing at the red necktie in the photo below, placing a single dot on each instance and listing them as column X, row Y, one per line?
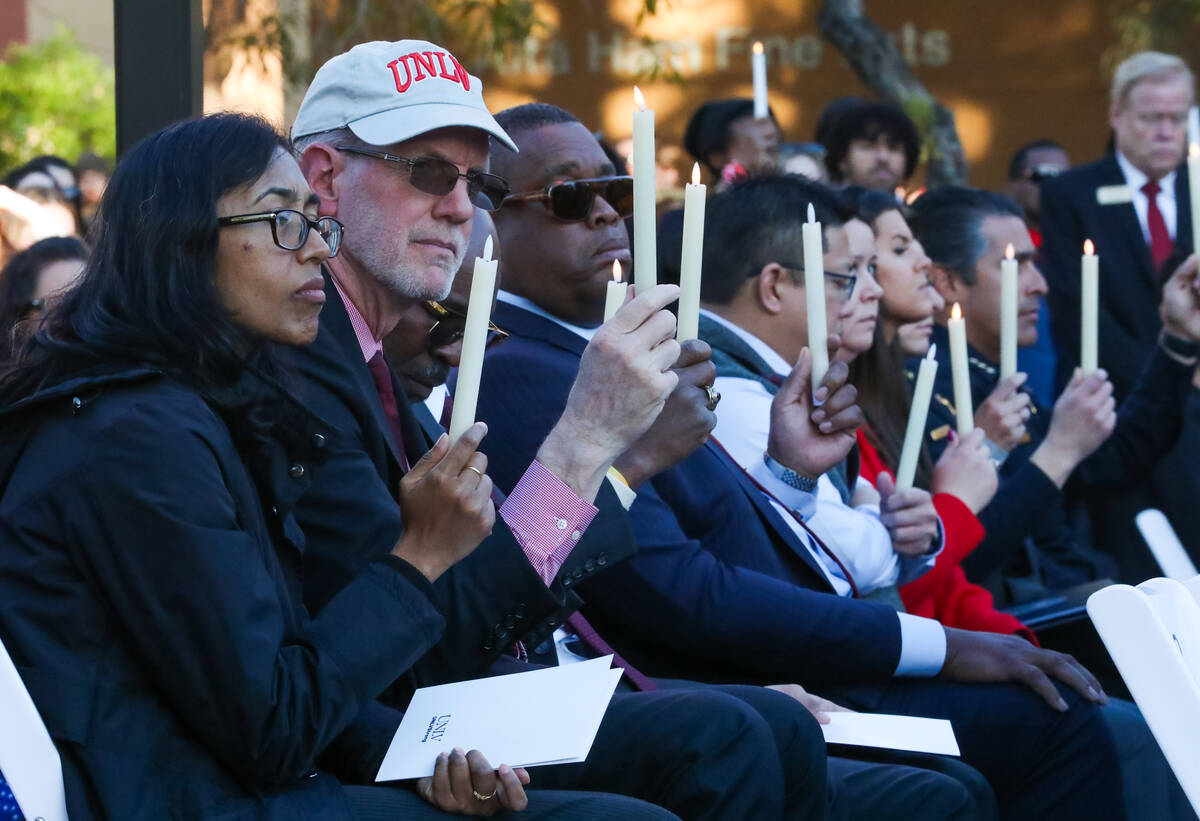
column 1160, row 240
column 382, row 376
column 588, row 635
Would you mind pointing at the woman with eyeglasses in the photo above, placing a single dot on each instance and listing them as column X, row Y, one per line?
column 964, row 479
column 149, row 556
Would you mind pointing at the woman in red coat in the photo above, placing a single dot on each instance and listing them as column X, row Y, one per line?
column 964, row 479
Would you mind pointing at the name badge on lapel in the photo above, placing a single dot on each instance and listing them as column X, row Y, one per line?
column 1114, row 194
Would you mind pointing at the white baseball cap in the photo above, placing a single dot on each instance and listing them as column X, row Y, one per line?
column 391, row 92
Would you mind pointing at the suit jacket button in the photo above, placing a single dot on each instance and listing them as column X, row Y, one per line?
column 520, row 610
column 488, row 645
column 602, row 559
column 590, row 566
column 510, row 622
column 553, row 621
column 318, row 441
column 296, row 471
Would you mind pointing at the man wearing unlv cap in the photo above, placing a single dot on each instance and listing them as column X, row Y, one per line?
column 393, row 138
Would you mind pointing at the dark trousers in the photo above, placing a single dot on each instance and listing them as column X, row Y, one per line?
column 873, row 786
column 393, row 803
column 1040, row 762
column 702, row 754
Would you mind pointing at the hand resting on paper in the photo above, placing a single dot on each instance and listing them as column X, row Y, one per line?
column 819, row 707
column 457, row 778
column 446, row 500
column 685, row 421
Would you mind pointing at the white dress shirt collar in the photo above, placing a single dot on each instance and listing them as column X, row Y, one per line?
column 521, row 302
column 774, row 361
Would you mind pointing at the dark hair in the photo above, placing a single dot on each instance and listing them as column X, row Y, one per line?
column 831, row 114
column 18, row 280
column 870, row 121
column 521, row 118
column 885, row 399
column 757, row 222
column 148, row 294
column 868, row 203
column 947, row 222
column 1016, row 166
column 707, row 131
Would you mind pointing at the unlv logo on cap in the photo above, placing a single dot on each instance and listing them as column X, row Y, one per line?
column 420, row 65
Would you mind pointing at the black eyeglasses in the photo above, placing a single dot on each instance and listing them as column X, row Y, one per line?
column 845, row 282
column 290, row 228
column 433, row 175
column 451, row 325
column 573, row 200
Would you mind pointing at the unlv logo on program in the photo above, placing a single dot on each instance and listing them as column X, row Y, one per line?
column 419, row 65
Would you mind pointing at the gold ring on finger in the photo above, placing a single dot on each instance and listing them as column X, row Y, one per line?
column 480, row 796
column 474, row 470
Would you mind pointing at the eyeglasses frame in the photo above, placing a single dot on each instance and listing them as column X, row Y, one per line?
column 437, row 309
column 469, row 175
column 544, row 194
column 271, row 216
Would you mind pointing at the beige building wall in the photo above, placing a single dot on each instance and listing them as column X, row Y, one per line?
column 91, row 20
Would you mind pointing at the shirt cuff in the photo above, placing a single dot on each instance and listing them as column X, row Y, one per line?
column 922, row 646
column 805, row 504
column 546, row 518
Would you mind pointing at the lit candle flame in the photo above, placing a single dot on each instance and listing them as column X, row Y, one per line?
column 1194, row 150
column 1088, row 248
column 812, row 214
column 487, row 250
column 1010, row 252
column 639, row 99
column 913, row 196
column 695, row 173
column 616, row 270
column 757, row 48
column 956, row 312
column 933, row 348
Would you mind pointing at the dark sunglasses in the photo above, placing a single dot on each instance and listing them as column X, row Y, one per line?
column 845, row 282
column 290, row 228
column 435, row 176
column 573, row 200
column 450, row 326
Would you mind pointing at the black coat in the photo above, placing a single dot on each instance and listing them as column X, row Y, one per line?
column 1130, row 288
column 350, row 515
column 151, row 603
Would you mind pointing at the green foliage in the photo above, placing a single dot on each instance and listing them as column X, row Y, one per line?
column 1172, row 26
column 55, row 99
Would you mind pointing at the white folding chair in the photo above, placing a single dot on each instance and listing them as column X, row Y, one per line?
column 1165, row 545
column 28, row 757
column 1152, row 633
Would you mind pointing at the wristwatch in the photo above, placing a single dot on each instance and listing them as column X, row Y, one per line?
column 788, row 476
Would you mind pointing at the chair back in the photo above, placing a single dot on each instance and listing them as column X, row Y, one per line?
column 1152, row 633
column 1165, row 545
column 28, row 757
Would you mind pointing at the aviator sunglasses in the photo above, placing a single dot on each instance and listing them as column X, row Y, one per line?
column 572, row 200
column 450, row 325
column 290, row 228
column 435, row 176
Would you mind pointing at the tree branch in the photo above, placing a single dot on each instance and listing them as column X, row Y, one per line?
column 880, row 65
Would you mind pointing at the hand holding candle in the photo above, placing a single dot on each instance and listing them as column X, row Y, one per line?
column 1008, row 313
column 917, row 413
column 479, row 313
column 691, row 260
column 1089, row 306
column 758, row 73
column 614, row 298
column 960, row 369
column 814, row 293
column 645, row 250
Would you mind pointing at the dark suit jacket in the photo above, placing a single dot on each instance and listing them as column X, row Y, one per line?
column 1130, row 288
column 150, row 574
column 350, row 515
column 720, row 587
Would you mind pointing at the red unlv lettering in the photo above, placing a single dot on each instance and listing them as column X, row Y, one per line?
column 407, row 69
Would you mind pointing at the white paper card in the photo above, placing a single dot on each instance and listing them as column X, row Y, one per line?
column 919, row 735
column 546, row 716
column 1114, row 194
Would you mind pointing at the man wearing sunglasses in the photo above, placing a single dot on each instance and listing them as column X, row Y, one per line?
column 722, row 585
column 393, row 138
